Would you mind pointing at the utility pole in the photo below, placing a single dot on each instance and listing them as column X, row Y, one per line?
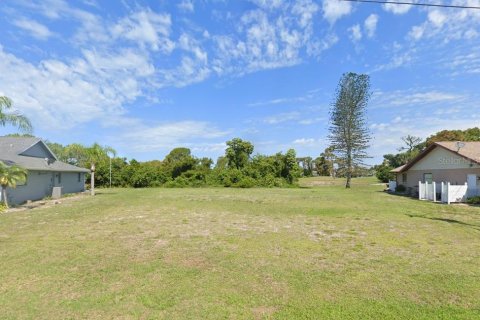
column 110, row 172
column 92, row 179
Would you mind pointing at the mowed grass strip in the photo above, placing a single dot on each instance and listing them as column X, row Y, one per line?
column 300, row 253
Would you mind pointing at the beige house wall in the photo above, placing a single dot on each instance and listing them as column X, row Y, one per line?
column 445, row 166
column 454, row 176
column 440, row 158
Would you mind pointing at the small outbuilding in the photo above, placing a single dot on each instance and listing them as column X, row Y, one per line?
column 457, row 163
column 47, row 175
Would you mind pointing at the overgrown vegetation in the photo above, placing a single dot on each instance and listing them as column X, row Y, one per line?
column 237, row 168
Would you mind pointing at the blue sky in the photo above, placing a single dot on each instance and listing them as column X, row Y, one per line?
column 147, row 76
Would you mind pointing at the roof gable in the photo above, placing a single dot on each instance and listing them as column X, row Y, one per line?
column 449, row 156
column 39, row 150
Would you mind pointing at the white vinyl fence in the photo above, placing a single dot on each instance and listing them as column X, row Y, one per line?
column 448, row 192
column 427, row 191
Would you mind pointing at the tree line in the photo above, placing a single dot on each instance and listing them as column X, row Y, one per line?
column 236, row 168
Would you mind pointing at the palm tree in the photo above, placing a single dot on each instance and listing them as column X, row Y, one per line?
column 14, row 118
column 9, row 177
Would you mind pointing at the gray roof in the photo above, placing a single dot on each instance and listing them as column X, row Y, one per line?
column 11, row 149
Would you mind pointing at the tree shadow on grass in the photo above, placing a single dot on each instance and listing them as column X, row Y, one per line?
column 100, row 193
column 473, row 226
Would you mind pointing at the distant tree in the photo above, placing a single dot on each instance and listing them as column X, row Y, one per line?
column 307, row 164
column 349, row 135
column 238, row 153
column 10, row 176
column 222, row 163
column 180, row 160
column 205, row 164
column 13, row 118
column 291, row 170
column 324, row 163
column 382, row 172
column 471, row 134
column 412, row 143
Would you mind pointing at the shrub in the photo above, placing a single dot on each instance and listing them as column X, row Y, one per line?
column 246, row 182
column 3, row 207
column 474, row 200
column 400, row 188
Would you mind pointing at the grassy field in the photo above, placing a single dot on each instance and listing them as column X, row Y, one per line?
column 306, row 253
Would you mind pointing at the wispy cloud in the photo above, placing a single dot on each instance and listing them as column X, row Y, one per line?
column 398, row 9
column 186, row 5
column 60, row 95
column 414, row 98
column 148, row 138
column 293, row 100
column 34, row 28
column 371, row 25
column 146, row 28
column 355, row 33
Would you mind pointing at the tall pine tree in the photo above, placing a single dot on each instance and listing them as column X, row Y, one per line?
column 349, row 135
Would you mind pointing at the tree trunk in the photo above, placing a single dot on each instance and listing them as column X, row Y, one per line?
column 349, row 168
column 349, row 177
column 4, row 196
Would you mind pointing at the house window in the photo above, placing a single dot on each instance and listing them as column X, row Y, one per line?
column 404, row 178
column 79, row 177
column 427, row 177
column 59, row 178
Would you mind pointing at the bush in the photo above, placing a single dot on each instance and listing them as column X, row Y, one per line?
column 474, row 200
column 383, row 173
column 3, row 207
column 400, row 188
column 246, row 182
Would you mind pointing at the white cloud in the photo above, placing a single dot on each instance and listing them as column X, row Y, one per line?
column 186, row 5
column 443, row 28
column 59, row 95
column 355, row 33
column 283, row 117
column 146, row 28
column 269, row 38
column 294, row 100
column 145, row 138
column 414, row 98
column 304, row 141
column 305, row 10
column 371, row 25
column 398, row 8
column 399, row 59
column 334, row 9
column 268, row 4
column 35, row 29
column 464, row 63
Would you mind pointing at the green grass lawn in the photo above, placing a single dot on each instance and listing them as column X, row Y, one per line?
column 304, row 253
